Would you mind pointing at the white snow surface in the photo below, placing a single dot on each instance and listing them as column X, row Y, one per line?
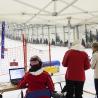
column 57, row 53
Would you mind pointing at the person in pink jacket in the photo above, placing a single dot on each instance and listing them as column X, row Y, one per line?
column 77, row 62
column 39, row 83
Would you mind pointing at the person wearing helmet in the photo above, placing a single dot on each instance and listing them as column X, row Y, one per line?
column 37, row 80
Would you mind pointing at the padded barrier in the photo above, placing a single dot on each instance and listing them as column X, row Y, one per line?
column 52, row 63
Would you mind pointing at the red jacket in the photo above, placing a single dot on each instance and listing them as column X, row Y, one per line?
column 37, row 82
column 76, row 62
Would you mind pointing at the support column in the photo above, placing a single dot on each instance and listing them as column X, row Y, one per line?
column 77, row 31
column 74, row 34
column 69, row 33
column 42, row 34
column 37, row 32
column 55, row 35
column 25, row 51
column 64, row 32
column 49, row 45
column 32, row 35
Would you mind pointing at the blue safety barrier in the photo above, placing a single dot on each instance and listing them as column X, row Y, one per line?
column 52, row 63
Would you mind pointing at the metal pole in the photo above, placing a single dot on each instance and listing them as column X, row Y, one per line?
column 3, row 40
column 32, row 35
column 64, row 32
column 77, row 30
column 42, row 34
column 74, row 34
column 69, row 33
column 37, row 32
column 55, row 35
column 22, row 94
column 49, row 45
column 25, row 51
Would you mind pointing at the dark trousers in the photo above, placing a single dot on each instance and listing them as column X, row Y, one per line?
column 1, row 96
column 74, row 89
column 96, row 86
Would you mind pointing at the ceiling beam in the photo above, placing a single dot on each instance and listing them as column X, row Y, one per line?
column 76, row 13
column 78, row 8
column 31, row 6
column 68, row 5
column 38, row 12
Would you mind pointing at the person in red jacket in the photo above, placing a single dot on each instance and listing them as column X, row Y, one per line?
column 37, row 80
column 76, row 61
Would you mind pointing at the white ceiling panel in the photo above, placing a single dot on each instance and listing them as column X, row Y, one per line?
column 49, row 11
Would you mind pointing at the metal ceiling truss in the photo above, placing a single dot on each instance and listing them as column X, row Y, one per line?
column 76, row 13
column 39, row 12
column 31, row 6
column 22, row 27
column 43, row 9
column 16, row 26
column 78, row 8
column 54, row 13
column 66, row 7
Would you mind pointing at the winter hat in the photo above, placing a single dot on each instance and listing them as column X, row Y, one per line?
column 77, row 46
column 36, row 60
column 35, row 63
column 35, row 57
